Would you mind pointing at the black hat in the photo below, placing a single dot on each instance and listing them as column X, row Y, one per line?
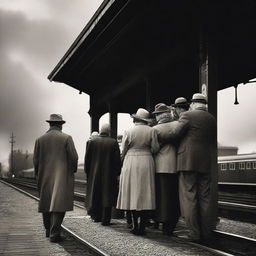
column 161, row 108
column 181, row 102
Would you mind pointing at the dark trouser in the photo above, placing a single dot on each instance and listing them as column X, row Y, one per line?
column 167, row 201
column 52, row 222
column 103, row 215
column 106, row 215
column 143, row 215
column 129, row 217
column 194, row 192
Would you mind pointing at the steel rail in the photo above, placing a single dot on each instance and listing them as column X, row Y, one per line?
column 202, row 246
column 76, row 237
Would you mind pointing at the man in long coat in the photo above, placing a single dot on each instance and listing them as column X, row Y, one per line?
column 196, row 156
column 102, row 167
column 55, row 161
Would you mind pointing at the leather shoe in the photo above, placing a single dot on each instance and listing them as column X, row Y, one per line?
column 141, row 233
column 134, row 231
column 168, row 233
column 57, row 239
column 129, row 225
column 105, row 223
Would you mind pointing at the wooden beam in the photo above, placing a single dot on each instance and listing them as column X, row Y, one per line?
column 113, row 120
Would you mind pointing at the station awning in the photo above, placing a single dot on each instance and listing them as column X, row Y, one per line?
column 133, row 51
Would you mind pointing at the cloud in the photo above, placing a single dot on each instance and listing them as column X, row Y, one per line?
column 29, row 50
column 236, row 125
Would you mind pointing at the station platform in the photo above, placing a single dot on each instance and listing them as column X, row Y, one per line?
column 22, row 232
column 21, row 228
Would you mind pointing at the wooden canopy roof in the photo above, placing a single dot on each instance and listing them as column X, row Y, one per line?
column 138, row 53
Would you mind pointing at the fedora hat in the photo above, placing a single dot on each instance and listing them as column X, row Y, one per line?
column 141, row 114
column 161, row 108
column 199, row 97
column 180, row 102
column 56, row 118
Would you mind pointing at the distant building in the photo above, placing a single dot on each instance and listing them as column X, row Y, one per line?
column 227, row 150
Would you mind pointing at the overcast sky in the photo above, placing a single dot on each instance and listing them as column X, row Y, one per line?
column 34, row 35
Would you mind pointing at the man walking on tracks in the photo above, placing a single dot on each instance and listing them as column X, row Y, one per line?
column 55, row 161
column 102, row 166
column 195, row 159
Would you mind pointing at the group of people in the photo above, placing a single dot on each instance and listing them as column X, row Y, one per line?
column 163, row 170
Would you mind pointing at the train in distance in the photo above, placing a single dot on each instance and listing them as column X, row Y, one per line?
column 233, row 169
column 237, row 169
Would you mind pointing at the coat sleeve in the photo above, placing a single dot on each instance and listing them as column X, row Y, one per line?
column 154, row 142
column 125, row 145
column 36, row 157
column 117, row 159
column 87, row 158
column 180, row 127
column 72, row 154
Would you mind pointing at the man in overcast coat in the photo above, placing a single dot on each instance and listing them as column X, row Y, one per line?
column 102, row 166
column 55, row 161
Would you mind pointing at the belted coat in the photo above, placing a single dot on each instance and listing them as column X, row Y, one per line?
column 137, row 179
column 55, row 161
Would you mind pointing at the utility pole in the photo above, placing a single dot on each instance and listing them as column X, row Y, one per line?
column 12, row 141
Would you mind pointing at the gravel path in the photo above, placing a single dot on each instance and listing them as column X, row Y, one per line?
column 117, row 241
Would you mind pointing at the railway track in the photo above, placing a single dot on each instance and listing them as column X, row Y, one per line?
column 89, row 249
column 228, row 201
column 223, row 243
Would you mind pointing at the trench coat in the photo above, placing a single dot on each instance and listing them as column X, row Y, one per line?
column 55, row 161
column 137, row 179
column 102, row 166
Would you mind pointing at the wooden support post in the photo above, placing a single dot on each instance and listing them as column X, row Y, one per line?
column 208, row 68
column 149, row 106
column 113, row 120
column 95, row 122
column 208, row 81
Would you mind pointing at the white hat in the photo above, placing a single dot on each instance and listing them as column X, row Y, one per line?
column 199, row 97
column 141, row 114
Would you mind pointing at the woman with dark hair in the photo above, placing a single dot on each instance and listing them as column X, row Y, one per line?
column 137, row 179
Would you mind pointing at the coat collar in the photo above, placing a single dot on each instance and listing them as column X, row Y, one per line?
column 54, row 128
column 202, row 108
column 140, row 123
column 104, row 135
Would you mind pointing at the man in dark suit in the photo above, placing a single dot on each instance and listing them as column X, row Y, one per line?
column 195, row 157
column 102, row 167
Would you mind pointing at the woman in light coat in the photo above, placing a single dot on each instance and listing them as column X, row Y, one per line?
column 167, row 197
column 137, row 179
